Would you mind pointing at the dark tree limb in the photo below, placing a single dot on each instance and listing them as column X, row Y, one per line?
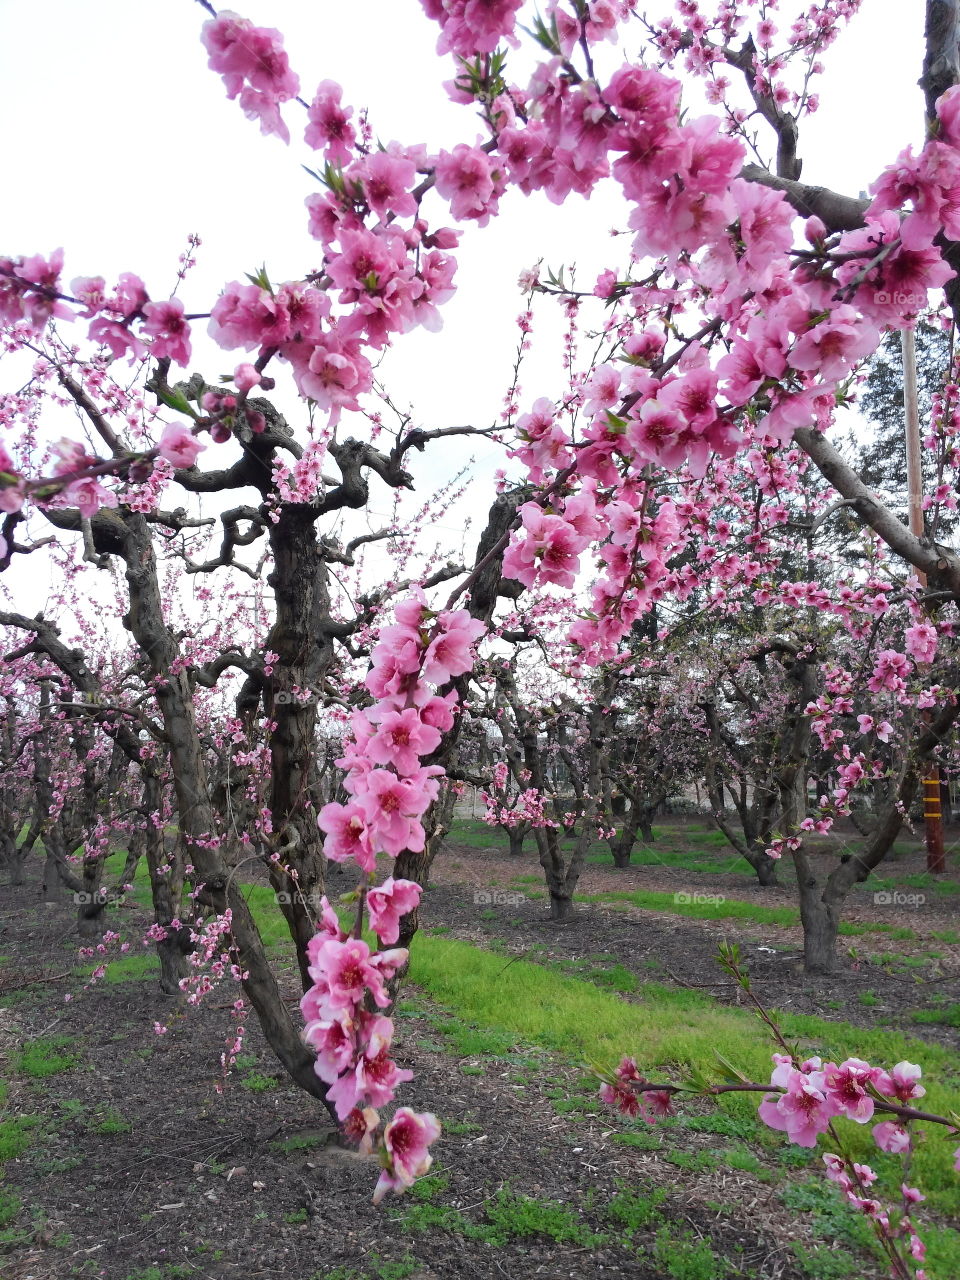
column 939, row 563
column 837, row 212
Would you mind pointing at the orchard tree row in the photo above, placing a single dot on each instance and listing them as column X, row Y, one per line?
column 683, row 576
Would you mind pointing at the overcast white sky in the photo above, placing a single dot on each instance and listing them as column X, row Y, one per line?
column 117, row 141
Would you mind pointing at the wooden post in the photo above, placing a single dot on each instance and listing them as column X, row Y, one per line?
column 932, row 814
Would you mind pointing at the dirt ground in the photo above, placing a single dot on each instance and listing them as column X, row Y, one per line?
column 141, row 1168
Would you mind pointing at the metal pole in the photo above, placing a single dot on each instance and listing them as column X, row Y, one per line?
column 932, row 813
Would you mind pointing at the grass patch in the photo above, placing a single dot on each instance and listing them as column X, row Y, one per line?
column 730, row 909
column 949, row 1016
column 666, row 1029
column 683, row 1258
column 45, row 1057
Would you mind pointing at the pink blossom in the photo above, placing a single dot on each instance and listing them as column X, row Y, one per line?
column 117, row 338
column 88, row 496
column 375, row 1077
column 469, row 27
column 345, row 970
column 400, row 739
column 329, row 128
column 348, row 834
column 891, row 1137
column 802, row 1111
column 254, row 67
column 451, row 652
column 833, row 345
column 387, row 178
column 178, row 445
column 391, row 806
column 550, row 548
column 331, row 1040
column 359, row 1127
column 469, row 179
column 245, row 378
column 387, row 903
column 901, row 1082
column 247, row 316
column 406, row 1139
column 659, row 434
column 920, row 642
column 89, row 290
column 890, row 671
column 164, row 323
column 948, row 112
column 846, row 1088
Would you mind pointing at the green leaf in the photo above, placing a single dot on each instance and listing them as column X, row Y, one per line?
column 175, row 400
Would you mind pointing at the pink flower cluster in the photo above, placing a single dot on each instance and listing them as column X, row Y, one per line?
column 254, row 67
column 391, row 789
column 353, row 1049
column 468, row 27
column 626, row 1092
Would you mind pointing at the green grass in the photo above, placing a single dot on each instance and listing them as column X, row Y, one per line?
column 45, row 1056
column 16, row 1135
column 128, row 968
column 730, row 909
column 111, row 1122
column 683, row 1258
column 949, row 1016
column 299, row 1142
column 665, row 1028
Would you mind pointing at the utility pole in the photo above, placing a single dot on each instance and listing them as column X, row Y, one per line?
column 932, row 813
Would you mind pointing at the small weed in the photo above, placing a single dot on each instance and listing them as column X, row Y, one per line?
column 947, row 1017
column 742, row 1158
column 298, row 1142
column 518, row 1216
column 725, row 1126
column 645, row 1141
column 296, row 1217
column 15, row 1136
column 829, row 1216
column 10, row 1206
column 43, row 1057
column 635, row 1212
column 459, row 1128
column 868, row 999
column 258, row 1083
column 112, row 1122
column 683, row 1258
column 696, row 1162
column 428, row 1188
column 794, row 1157
column 383, row 1269
column 823, row 1264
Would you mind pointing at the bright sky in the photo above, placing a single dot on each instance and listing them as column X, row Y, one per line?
column 119, row 142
